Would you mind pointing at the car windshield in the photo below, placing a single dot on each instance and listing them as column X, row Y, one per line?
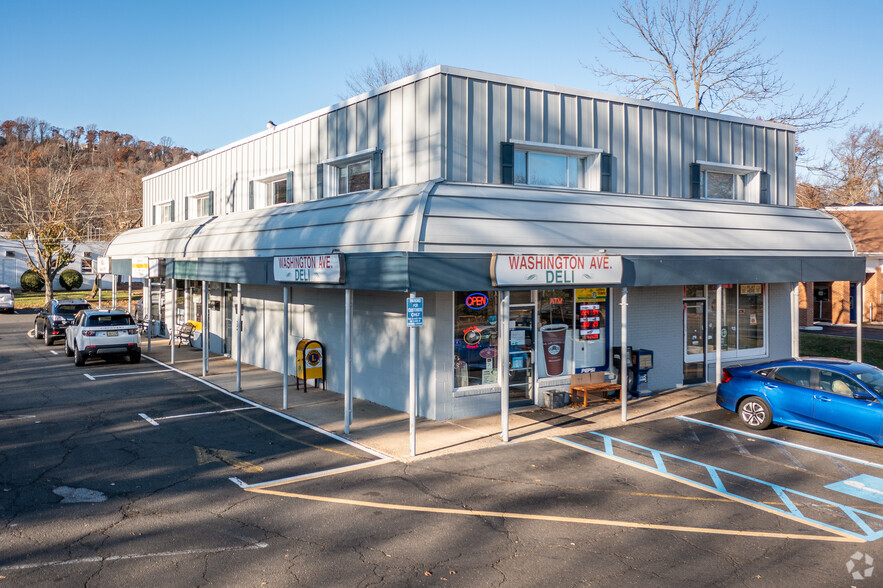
column 109, row 320
column 70, row 309
column 872, row 378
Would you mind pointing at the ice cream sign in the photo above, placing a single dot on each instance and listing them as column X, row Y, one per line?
column 555, row 270
column 314, row 269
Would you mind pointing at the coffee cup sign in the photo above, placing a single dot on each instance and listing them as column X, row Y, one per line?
column 553, row 348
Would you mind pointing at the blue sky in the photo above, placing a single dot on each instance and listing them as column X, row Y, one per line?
column 209, row 73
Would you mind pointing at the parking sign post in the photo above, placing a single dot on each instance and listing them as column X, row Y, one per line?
column 415, row 319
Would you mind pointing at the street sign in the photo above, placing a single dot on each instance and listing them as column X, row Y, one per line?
column 415, row 312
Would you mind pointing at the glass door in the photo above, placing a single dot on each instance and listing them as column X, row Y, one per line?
column 522, row 321
column 694, row 342
column 228, row 322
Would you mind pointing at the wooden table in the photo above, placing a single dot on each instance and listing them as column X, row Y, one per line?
column 600, row 389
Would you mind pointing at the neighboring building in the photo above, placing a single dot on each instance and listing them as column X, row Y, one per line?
column 473, row 190
column 835, row 301
column 14, row 261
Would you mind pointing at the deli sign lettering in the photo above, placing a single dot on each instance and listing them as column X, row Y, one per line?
column 555, row 270
column 313, row 269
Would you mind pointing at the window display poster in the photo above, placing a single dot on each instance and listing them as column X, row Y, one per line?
column 555, row 351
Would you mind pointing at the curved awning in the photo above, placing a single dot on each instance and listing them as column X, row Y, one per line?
column 456, row 227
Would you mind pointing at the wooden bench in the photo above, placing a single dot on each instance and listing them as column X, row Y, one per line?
column 183, row 334
column 592, row 384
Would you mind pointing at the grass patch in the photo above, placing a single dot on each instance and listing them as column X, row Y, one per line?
column 843, row 347
column 38, row 299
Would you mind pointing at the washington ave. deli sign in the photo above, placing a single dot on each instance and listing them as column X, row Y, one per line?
column 555, row 270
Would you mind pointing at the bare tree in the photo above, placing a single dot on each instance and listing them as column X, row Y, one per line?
column 855, row 172
column 381, row 72
column 704, row 54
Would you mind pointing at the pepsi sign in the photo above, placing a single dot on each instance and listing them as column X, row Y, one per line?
column 476, row 301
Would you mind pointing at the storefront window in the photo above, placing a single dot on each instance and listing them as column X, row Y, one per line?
column 475, row 338
column 742, row 314
column 555, row 345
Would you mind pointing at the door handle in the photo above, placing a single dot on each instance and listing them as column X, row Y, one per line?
column 770, row 386
column 822, row 398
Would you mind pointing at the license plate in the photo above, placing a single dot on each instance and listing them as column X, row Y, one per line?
column 112, row 333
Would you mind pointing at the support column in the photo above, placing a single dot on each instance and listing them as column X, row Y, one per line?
column 285, row 348
column 129, row 306
column 503, row 363
column 623, row 354
column 145, row 308
column 174, row 328
column 113, row 290
column 795, row 319
column 412, row 403
column 348, row 362
column 206, row 330
column 239, row 337
column 718, row 316
column 859, row 318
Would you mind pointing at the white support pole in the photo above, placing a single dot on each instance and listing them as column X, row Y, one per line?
column 145, row 308
column 503, row 364
column 113, row 290
column 348, row 362
column 206, row 330
column 174, row 328
column 97, row 276
column 795, row 319
column 859, row 318
column 718, row 316
column 624, row 355
column 239, row 337
column 412, row 400
column 285, row 295
column 129, row 306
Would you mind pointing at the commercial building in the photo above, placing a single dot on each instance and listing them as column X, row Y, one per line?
column 519, row 212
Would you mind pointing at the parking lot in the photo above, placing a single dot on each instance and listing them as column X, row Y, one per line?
column 115, row 472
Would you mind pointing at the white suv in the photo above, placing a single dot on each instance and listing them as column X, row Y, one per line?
column 7, row 299
column 102, row 332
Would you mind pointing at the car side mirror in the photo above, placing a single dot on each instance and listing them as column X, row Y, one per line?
column 864, row 396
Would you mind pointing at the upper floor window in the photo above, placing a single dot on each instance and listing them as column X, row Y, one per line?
column 545, row 164
column 277, row 188
column 201, row 204
column 351, row 173
column 164, row 212
column 723, row 181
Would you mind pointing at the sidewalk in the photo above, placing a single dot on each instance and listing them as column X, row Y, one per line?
column 386, row 430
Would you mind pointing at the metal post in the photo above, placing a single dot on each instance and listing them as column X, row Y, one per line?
column 348, row 362
column 795, row 319
column 503, row 363
column 129, row 304
column 859, row 318
column 145, row 307
column 113, row 290
column 97, row 279
column 623, row 355
column 285, row 348
column 412, row 404
column 205, row 328
column 718, row 316
column 239, row 337
column 174, row 319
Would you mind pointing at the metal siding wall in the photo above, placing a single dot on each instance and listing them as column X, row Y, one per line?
column 395, row 160
column 586, row 107
column 383, row 134
column 647, row 152
column 552, row 118
column 456, row 130
column 436, row 127
column 570, row 121
column 534, row 110
column 517, row 113
column 476, row 160
column 409, row 135
column 662, row 160
column 422, row 138
column 498, row 134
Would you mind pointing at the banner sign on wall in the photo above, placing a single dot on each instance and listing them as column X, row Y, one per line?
column 555, row 270
column 313, row 269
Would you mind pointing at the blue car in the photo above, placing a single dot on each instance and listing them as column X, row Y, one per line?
column 832, row 396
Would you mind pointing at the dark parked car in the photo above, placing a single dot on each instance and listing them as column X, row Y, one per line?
column 54, row 318
column 832, row 396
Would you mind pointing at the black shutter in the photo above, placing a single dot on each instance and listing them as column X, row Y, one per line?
column 507, row 163
column 320, row 181
column 211, row 202
column 606, row 172
column 764, row 188
column 377, row 169
column 187, row 201
column 695, row 180
column 251, row 195
column 289, row 187
column 154, row 215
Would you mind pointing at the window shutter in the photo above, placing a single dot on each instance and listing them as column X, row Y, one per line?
column 695, row 180
column 172, row 211
column 251, row 195
column 507, row 163
column 606, row 172
column 154, row 215
column 289, row 187
column 188, row 202
column 211, row 202
column 320, row 181
column 764, row 188
column 377, row 169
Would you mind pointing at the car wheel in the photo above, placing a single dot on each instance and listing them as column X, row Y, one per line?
column 37, row 333
column 67, row 350
column 79, row 357
column 135, row 356
column 755, row 413
column 46, row 338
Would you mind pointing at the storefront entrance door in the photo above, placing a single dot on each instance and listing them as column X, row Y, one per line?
column 694, row 342
column 522, row 319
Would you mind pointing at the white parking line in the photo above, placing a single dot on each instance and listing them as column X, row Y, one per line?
column 53, row 352
column 148, row 419
column 125, row 374
column 192, row 414
column 780, row 442
column 90, row 377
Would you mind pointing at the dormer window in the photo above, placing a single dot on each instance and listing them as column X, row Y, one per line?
column 528, row 163
column 272, row 189
column 201, row 204
column 348, row 174
column 724, row 181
